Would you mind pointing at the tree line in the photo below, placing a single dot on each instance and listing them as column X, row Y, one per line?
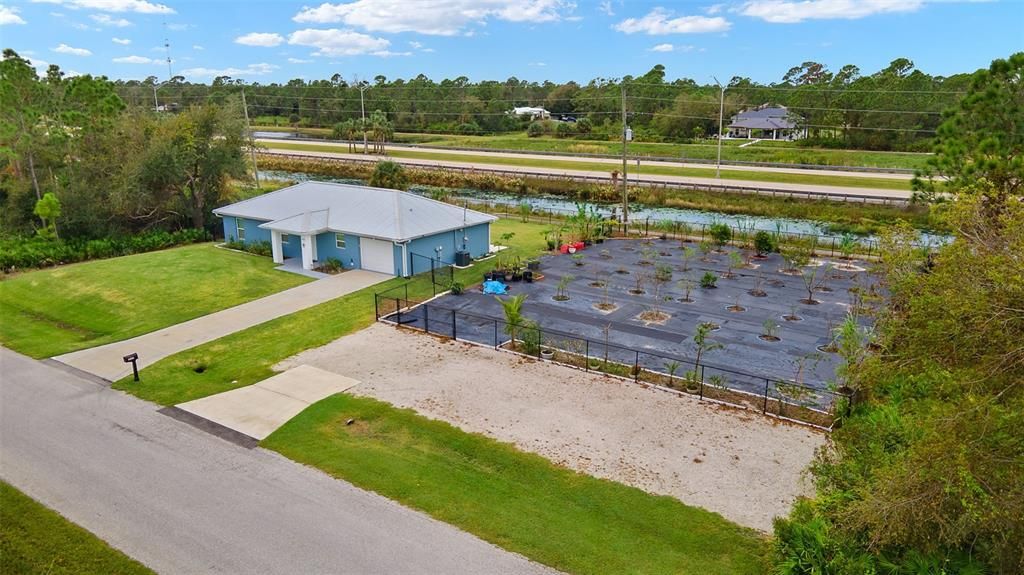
column 80, row 162
column 895, row 108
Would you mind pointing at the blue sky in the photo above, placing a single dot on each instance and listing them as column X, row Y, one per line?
column 560, row 40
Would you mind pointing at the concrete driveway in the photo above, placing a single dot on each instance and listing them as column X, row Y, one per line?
column 258, row 410
column 183, row 501
column 106, row 362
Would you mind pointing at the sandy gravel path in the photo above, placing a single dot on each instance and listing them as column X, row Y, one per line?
column 745, row 466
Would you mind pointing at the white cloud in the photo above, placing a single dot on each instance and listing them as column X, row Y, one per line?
column 197, row 47
column 334, row 42
column 65, row 49
column 606, row 7
column 106, row 20
column 40, row 66
column 139, row 6
column 57, row 14
column 10, row 16
column 416, row 45
column 538, row 64
column 793, row 11
column 264, row 39
column 714, row 9
column 179, row 27
column 121, row 41
column 260, row 69
column 135, row 60
column 663, row 48
column 298, row 61
column 659, row 22
column 434, row 17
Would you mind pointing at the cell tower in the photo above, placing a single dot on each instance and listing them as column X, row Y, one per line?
column 167, row 49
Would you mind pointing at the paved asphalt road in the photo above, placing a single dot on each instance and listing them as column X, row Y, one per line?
column 183, row 501
column 834, row 191
column 821, row 171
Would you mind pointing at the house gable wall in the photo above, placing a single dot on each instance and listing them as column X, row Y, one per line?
column 326, row 247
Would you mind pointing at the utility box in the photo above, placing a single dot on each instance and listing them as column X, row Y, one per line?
column 463, row 259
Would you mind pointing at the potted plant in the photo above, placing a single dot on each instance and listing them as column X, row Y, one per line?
column 547, row 353
column 533, row 264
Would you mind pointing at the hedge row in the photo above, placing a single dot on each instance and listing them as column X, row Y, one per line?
column 20, row 253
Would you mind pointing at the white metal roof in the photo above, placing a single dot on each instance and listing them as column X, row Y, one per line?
column 314, row 207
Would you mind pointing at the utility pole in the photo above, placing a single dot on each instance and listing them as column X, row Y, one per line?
column 362, row 108
column 721, row 116
column 625, row 130
column 252, row 141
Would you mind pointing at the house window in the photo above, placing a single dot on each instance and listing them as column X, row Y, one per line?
column 240, row 229
column 339, row 241
column 284, row 238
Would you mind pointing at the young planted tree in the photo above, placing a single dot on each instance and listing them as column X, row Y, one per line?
column 562, row 288
column 721, row 234
column 48, row 210
column 764, row 244
column 769, row 330
column 703, row 344
column 513, row 308
column 735, row 262
column 811, row 277
column 686, row 285
column 639, row 281
column 688, row 255
column 758, row 289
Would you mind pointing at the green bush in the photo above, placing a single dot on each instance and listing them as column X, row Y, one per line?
column 708, row 280
column 18, row 253
column 721, row 233
column 764, row 243
column 535, row 130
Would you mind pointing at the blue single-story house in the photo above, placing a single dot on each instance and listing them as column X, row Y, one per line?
column 369, row 228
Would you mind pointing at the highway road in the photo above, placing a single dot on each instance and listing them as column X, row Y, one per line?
column 837, row 192
column 182, row 501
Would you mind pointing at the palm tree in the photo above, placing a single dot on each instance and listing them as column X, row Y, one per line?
column 513, row 308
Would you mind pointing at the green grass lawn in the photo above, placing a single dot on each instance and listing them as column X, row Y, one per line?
column 763, row 151
column 245, row 357
column 519, row 501
column 35, row 539
column 58, row 310
column 649, row 168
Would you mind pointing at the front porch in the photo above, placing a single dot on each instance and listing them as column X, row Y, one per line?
column 294, row 265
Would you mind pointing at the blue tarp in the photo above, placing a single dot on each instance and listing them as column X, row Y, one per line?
column 495, row 287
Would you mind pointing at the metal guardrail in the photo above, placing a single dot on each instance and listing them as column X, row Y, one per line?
column 640, row 182
column 631, row 158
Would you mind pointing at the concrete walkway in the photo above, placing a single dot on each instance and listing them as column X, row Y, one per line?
column 106, row 361
column 183, row 501
column 258, row 410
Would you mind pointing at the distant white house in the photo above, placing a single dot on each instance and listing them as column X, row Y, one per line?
column 768, row 122
column 532, row 112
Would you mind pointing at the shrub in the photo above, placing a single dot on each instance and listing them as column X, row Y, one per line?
column 708, row 280
column 331, row 266
column 721, row 233
column 457, row 288
column 25, row 253
column 764, row 243
column 536, row 129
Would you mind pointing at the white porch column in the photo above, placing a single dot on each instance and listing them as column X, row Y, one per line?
column 275, row 247
column 312, row 242
column 307, row 252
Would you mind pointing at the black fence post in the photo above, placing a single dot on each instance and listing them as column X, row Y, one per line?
column 398, row 308
column 454, row 323
column 765, row 408
column 701, row 382
column 376, row 307
column 495, row 334
column 636, row 367
column 426, row 318
column 586, row 356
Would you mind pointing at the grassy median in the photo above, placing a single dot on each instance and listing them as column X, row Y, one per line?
column 519, row 501
column 35, row 539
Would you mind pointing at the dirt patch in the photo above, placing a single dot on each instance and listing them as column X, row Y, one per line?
column 750, row 466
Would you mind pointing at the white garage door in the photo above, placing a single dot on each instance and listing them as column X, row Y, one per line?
column 377, row 256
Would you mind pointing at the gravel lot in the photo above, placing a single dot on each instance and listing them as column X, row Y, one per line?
column 745, row 466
